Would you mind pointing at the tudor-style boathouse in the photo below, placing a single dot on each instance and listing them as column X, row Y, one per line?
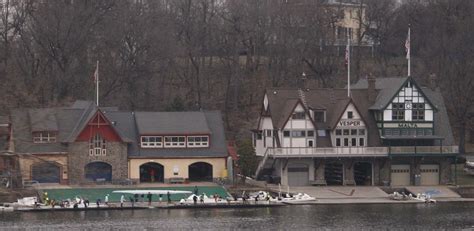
column 390, row 131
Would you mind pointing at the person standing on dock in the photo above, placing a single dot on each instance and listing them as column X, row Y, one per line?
column 122, row 199
column 149, row 198
column 106, row 200
column 195, row 199
column 169, row 197
column 97, row 202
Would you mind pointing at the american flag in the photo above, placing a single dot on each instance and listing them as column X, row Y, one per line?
column 407, row 44
column 96, row 73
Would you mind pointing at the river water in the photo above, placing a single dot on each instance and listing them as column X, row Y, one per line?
column 300, row 217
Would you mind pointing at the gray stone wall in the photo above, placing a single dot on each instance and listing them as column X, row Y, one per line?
column 79, row 157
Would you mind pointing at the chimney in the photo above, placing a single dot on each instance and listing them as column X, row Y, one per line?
column 371, row 88
column 433, row 79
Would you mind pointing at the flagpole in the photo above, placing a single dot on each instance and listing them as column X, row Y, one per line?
column 97, row 83
column 408, row 47
column 348, row 65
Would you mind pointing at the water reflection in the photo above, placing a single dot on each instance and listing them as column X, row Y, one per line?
column 407, row 216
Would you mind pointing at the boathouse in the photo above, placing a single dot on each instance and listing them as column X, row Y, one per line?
column 83, row 143
column 389, row 131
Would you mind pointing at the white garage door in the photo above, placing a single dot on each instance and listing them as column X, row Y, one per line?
column 298, row 175
column 400, row 175
column 429, row 174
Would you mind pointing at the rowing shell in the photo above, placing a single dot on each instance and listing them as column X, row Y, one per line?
column 152, row 191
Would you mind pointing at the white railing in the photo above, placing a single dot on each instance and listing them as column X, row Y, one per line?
column 424, row 150
column 358, row 151
column 328, row 152
column 262, row 163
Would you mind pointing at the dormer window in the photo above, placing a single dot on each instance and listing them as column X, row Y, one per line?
column 44, row 137
column 97, row 146
column 175, row 141
column 198, row 141
column 152, row 142
column 299, row 115
column 398, row 111
column 319, row 116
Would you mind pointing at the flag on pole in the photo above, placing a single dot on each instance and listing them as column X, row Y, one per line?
column 96, row 73
column 407, row 44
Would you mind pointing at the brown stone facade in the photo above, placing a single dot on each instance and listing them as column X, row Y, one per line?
column 79, row 157
column 28, row 160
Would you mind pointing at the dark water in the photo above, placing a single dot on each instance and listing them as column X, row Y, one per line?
column 304, row 217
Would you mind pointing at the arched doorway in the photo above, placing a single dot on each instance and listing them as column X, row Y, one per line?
column 200, row 171
column 98, row 171
column 152, row 172
column 363, row 173
column 46, row 172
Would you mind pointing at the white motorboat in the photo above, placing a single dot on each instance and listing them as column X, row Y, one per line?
column 204, row 199
column 425, row 198
column 469, row 168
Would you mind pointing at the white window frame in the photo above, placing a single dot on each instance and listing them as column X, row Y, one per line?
column 198, row 141
column 97, row 146
column 180, row 142
column 146, row 143
column 44, row 137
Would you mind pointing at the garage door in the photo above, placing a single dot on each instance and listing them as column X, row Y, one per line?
column 429, row 174
column 400, row 175
column 298, row 175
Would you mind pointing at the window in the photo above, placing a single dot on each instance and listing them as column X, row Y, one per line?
column 44, row 137
column 198, row 141
column 338, row 142
column 361, row 142
column 286, row 133
column 268, row 133
column 353, row 142
column 338, row 132
column 418, row 112
column 259, row 135
column 310, row 133
column 319, row 116
column 298, row 133
column 345, row 132
column 299, row 115
column 322, row 133
column 361, row 132
column 353, row 132
column 350, row 115
column 346, row 142
column 152, row 142
column 97, row 146
column 398, row 111
column 175, row 141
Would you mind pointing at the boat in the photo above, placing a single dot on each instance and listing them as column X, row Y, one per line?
column 469, row 168
column 154, row 192
column 400, row 196
column 424, row 198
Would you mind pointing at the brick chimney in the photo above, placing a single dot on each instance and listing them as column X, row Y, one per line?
column 371, row 93
column 432, row 81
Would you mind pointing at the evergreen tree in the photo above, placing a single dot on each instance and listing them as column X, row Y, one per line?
column 247, row 158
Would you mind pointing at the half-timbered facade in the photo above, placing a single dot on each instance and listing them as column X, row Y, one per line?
column 389, row 131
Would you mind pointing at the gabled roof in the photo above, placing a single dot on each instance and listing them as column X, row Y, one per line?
column 388, row 89
column 43, row 120
column 334, row 101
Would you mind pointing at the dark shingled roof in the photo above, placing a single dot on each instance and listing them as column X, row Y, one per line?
column 335, row 101
column 43, row 120
column 69, row 122
column 282, row 101
column 155, row 123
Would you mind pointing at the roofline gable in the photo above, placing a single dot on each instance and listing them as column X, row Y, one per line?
column 345, row 108
column 305, row 110
column 403, row 85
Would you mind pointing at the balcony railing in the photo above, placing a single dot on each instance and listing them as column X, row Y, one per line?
column 360, row 151
column 420, row 150
column 328, row 152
